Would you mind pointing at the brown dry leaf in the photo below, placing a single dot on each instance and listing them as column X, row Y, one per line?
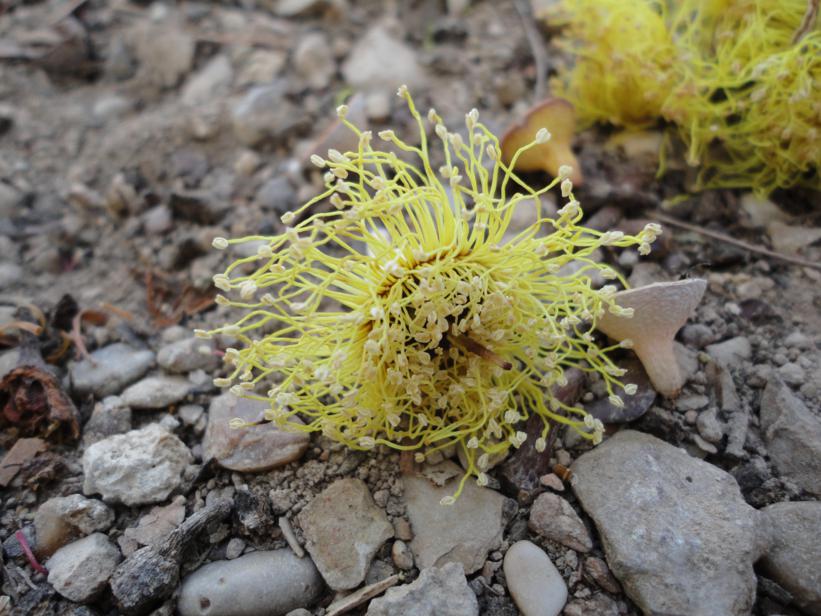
column 559, row 118
column 24, row 450
column 32, row 401
column 161, row 290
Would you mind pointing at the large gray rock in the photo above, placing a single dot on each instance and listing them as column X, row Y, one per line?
column 794, row 555
column 534, row 582
column 676, row 530
column 63, row 518
column 110, row 369
column 80, row 570
column 793, row 436
column 343, row 530
column 271, row 583
column 551, row 516
column 463, row 532
column 437, row 591
column 258, row 448
column 156, row 392
column 136, row 468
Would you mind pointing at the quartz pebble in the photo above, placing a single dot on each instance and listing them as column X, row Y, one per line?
column 270, row 582
column 401, row 555
column 534, row 582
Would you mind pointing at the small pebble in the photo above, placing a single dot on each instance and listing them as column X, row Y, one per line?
column 402, row 556
column 234, row 548
column 534, row 582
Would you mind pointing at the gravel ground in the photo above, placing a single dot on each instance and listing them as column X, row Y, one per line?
column 132, row 134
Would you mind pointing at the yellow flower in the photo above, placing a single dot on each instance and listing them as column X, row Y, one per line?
column 396, row 311
column 735, row 78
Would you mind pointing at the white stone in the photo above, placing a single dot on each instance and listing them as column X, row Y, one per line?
column 534, row 582
column 156, row 392
column 136, row 468
column 314, row 60
column 80, row 570
column 211, row 81
column 732, row 352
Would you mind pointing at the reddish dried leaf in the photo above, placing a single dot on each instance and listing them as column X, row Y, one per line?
column 31, row 400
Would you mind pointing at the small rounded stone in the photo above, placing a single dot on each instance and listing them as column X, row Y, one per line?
column 534, row 582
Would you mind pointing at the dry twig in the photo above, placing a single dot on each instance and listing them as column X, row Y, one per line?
column 722, row 237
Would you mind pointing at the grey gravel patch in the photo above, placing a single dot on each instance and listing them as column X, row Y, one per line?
column 676, row 530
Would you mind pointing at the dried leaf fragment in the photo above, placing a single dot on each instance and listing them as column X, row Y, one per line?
column 32, row 400
column 22, row 451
